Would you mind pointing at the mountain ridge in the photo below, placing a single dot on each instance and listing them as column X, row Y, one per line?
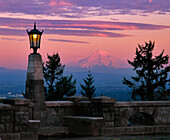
column 99, row 58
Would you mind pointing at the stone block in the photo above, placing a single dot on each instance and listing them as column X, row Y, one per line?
column 129, row 130
column 167, row 108
column 149, row 129
column 83, row 108
column 58, row 103
column 85, row 126
column 139, row 130
column 10, row 136
column 123, row 122
column 76, row 98
column 159, row 129
column 21, row 108
column 107, row 131
column 112, row 116
column 107, row 116
column 5, row 107
column 53, row 131
column 27, row 136
column 109, row 124
column 6, row 116
column 103, row 99
column 16, row 101
column 6, row 121
column 167, row 129
column 9, row 127
column 105, row 109
column 56, row 113
column 34, row 127
column 163, row 113
column 118, row 131
column 117, row 122
column 2, row 128
column 111, row 108
column 22, row 113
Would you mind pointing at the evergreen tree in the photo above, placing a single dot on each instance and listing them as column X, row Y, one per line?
column 152, row 77
column 52, row 71
column 88, row 89
column 53, row 74
column 65, row 87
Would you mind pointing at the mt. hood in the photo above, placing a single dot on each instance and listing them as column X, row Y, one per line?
column 99, row 58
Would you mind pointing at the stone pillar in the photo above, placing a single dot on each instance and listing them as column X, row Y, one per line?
column 35, row 87
column 34, row 126
column 104, row 107
column 21, row 113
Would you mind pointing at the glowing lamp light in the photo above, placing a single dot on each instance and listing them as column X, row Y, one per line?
column 35, row 38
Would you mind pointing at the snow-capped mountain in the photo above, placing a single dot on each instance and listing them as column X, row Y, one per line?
column 99, row 58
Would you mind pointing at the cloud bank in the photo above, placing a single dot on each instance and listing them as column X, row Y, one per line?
column 85, row 8
column 11, row 26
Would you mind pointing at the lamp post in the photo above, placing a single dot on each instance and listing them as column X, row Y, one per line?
column 35, row 81
column 35, row 38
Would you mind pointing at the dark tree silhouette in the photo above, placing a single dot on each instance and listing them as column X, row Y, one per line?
column 52, row 71
column 152, row 77
column 53, row 74
column 65, row 87
column 88, row 89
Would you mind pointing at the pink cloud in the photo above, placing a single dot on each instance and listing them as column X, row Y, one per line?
column 80, row 24
column 68, row 41
column 74, row 27
column 59, row 3
column 150, row 1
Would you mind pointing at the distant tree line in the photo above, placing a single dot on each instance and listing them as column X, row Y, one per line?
column 60, row 86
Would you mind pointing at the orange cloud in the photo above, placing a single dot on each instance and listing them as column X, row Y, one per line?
column 59, row 3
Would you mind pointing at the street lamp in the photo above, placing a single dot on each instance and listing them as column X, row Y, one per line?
column 35, row 38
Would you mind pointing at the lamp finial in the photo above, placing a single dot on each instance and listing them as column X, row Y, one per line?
column 34, row 25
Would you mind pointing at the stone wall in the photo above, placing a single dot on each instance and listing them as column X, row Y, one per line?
column 56, row 110
column 17, row 116
column 6, row 118
column 19, row 113
column 158, row 110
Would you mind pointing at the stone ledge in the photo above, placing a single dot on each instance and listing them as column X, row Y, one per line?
column 142, row 103
column 34, row 121
column 83, row 117
column 103, row 99
column 58, row 103
column 76, row 98
column 5, row 107
column 85, row 102
column 17, row 101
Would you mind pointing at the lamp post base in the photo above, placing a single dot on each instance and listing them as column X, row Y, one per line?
column 35, row 86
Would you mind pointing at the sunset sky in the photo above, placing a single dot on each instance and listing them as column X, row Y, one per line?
column 77, row 28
